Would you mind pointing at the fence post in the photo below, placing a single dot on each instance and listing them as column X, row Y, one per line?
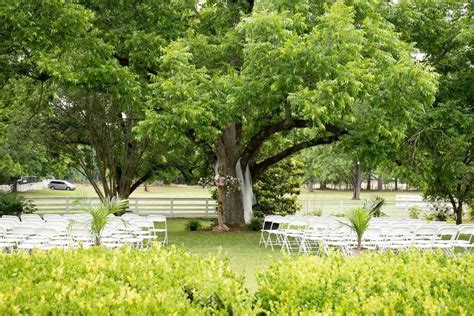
column 207, row 208
column 172, row 207
column 136, row 207
column 67, row 205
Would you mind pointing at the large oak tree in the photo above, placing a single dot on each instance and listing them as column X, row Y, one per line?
column 284, row 76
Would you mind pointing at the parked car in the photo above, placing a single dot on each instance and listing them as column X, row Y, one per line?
column 61, row 185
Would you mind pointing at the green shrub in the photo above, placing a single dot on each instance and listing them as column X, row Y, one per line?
column 371, row 284
column 193, row 225
column 429, row 217
column 316, row 212
column 470, row 212
column 277, row 190
column 414, row 212
column 15, row 204
column 441, row 212
column 255, row 224
column 98, row 281
column 374, row 206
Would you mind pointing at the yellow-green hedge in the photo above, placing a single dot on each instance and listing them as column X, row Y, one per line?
column 101, row 282
column 162, row 282
column 371, row 284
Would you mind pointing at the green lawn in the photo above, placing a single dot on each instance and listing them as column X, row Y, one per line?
column 245, row 256
column 153, row 191
column 197, row 191
column 329, row 201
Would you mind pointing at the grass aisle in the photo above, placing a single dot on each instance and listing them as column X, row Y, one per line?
column 245, row 256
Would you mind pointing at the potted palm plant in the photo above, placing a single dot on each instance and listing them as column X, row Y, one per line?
column 99, row 215
column 359, row 220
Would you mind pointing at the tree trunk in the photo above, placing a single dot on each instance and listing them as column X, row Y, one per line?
column 310, row 186
column 227, row 158
column 145, row 187
column 369, row 186
column 380, row 184
column 323, row 185
column 396, row 184
column 459, row 214
column 357, row 180
column 15, row 186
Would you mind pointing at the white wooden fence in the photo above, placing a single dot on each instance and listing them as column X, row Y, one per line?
column 205, row 207
column 26, row 187
column 397, row 207
column 170, row 207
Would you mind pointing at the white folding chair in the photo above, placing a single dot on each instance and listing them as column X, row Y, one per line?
column 25, row 217
column 13, row 218
column 40, row 240
column 338, row 236
column 398, row 238
column 313, row 237
column 465, row 231
column 275, row 235
column 145, row 231
column 424, row 236
column 293, row 233
column 48, row 217
column 160, row 226
column 81, row 237
column 372, row 238
column 8, row 225
column 5, row 244
column 267, row 226
column 445, row 239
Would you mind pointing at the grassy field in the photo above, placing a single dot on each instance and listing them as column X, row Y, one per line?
column 330, row 202
column 197, row 191
column 245, row 256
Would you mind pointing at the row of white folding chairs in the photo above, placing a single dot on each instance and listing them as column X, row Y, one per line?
column 113, row 235
column 302, row 233
column 397, row 237
column 142, row 227
column 25, row 238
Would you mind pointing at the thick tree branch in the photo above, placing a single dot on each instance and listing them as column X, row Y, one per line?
column 256, row 142
column 149, row 174
column 208, row 151
column 257, row 169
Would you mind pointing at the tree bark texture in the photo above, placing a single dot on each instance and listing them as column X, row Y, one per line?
column 380, row 184
column 227, row 158
column 356, row 181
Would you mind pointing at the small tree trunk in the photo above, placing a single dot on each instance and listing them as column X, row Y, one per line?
column 459, row 213
column 322, row 185
column 15, row 186
column 146, row 187
column 396, row 184
column 359, row 243
column 357, row 180
column 380, row 184
column 310, row 186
